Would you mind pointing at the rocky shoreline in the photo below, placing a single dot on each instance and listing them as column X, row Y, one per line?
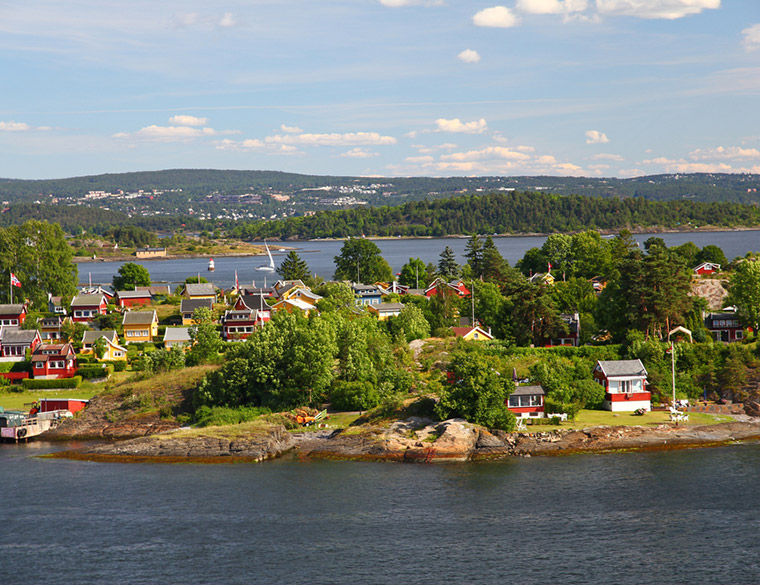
column 413, row 440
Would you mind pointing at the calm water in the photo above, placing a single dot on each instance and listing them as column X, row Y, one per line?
column 319, row 256
column 685, row 517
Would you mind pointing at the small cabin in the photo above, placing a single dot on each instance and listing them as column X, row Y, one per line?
column 527, row 402
column 707, row 268
column 625, row 385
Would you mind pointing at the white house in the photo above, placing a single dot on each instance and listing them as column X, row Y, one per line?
column 625, row 384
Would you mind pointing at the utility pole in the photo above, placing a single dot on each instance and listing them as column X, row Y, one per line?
column 472, row 296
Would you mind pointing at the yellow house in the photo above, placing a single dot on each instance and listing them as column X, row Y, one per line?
column 386, row 310
column 472, row 333
column 140, row 326
column 188, row 306
column 114, row 352
column 291, row 305
column 203, row 290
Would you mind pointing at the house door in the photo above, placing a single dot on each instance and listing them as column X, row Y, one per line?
column 724, row 336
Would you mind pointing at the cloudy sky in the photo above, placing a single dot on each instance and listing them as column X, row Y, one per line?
column 380, row 87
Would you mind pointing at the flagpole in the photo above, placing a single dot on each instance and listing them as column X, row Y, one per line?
column 11, row 281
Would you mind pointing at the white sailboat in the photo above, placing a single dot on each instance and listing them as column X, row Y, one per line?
column 270, row 267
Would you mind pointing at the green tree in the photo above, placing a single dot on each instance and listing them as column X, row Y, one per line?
column 414, row 274
column 744, row 292
column 360, row 261
column 99, row 347
column 206, row 340
column 477, row 391
column 130, row 276
column 39, row 256
column 293, row 267
column 335, row 295
column 473, row 251
column 711, row 253
column 410, row 323
column 447, row 265
column 493, row 264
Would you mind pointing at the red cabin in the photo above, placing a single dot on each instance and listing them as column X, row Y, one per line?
column 54, row 360
column 133, row 298
column 73, row 405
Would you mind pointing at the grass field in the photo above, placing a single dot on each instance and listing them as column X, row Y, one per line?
column 21, row 400
column 593, row 418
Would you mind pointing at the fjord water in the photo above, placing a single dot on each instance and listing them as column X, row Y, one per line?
column 678, row 517
column 319, row 256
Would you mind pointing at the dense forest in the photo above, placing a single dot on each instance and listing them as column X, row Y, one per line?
column 515, row 212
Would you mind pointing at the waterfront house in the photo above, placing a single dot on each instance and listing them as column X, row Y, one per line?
column 140, row 326
column 188, row 307
column 724, row 326
column 625, row 385
column 13, row 315
column 14, row 341
column 150, row 252
column 128, row 299
column 203, row 290
column 456, row 286
column 50, row 328
column 527, row 401
column 367, row 294
column 239, row 324
column 114, row 351
column 573, row 335
column 707, row 268
column 177, row 337
column 85, row 307
column 54, row 360
column 386, row 310
column 472, row 333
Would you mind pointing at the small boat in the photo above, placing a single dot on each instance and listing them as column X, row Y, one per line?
column 270, row 267
column 211, row 265
column 18, row 426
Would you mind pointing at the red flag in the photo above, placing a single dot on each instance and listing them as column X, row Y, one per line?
column 15, row 281
column 550, row 267
column 237, row 284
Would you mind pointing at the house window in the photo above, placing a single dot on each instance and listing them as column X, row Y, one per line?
column 739, row 334
column 626, row 386
column 118, row 354
column 38, row 365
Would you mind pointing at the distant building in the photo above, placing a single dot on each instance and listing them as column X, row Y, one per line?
column 150, row 252
column 724, row 326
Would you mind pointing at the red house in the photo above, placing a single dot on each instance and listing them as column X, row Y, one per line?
column 73, row 405
column 84, row 308
column 707, row 268
column 133, row 298
column 625, row 383
column 13, row 315
column 724, row 327
column 239, row 324
column 456, row 286
column 254, row 302
column 527, row 402
column 53, row 361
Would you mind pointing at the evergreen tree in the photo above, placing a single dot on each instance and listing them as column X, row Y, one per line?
column 293, row 267
column 744, row 292
column 448, row 268
column 473, row 251
column 492, row 263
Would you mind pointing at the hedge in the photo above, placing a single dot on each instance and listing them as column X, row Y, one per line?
column 74, row 382
column 90, row 372
column 118, row 366
column 22, row 366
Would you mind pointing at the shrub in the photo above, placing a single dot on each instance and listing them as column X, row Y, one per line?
column 118, row 366
column 91, row 372
column 30, row 384
column 212, row 416
column 354, row 396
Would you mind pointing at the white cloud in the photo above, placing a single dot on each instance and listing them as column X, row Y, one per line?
column 456, row 125
column 721, row 153
column 175, row 133
column 419, row 159
column 227, row 20
column 551, row 6
column 290, row 129
column 666, row 9
column 752, row 37
column 496, row 17
column 185, row 19
column 183, row 120
column 487, row 153
column 349, row 139
column 606, row 156
column 359, row 153
column 249, row 144
column 469, row 56
column 596, row 137
column 14, row 127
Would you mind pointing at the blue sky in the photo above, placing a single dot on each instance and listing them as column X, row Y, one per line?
column 380, row 87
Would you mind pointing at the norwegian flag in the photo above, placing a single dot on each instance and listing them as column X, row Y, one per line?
column 237, row 284
column 15, row 281
column 550, row 267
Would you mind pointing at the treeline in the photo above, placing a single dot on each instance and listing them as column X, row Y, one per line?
column 516, row 212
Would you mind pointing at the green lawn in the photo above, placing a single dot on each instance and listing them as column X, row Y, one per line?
column 593, row 418
column 21, row 400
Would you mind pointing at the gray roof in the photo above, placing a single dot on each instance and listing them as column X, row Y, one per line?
column 528, row 391
column 177, row 334
column 189, row 305
column 388, row 307
column 156, row 289
column 93, row 336
column 623, row 368
column 133, row 294
column 139, row 317
column 200, row 289
column 87, row 300
column 254, row 301
column 25, row 336
column 15, row 309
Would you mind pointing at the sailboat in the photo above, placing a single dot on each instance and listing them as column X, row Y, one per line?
column 270, row 267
